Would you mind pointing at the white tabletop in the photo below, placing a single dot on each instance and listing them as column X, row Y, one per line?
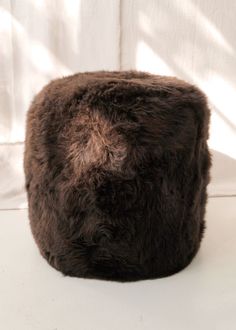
column 34, row 296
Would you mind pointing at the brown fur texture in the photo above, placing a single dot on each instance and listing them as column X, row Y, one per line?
column 116, row 167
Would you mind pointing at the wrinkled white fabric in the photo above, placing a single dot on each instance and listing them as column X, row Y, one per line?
column 12, row 192
column 43, row 40
column 46, row 39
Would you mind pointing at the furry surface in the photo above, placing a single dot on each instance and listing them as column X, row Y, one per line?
column 116, row 167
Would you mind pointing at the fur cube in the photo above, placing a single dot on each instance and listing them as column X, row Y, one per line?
column 116, row 167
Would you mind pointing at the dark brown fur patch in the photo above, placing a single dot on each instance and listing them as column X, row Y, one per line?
column 116, row 167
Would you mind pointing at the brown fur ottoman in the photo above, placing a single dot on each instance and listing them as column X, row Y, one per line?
column 116, row 167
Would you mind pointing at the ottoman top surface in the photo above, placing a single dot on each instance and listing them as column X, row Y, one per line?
column 122, row 84
column 143, row 79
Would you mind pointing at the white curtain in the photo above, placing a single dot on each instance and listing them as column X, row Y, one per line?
column 44, row 39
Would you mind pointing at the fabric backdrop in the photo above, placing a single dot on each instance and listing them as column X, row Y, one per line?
column 45, row 39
